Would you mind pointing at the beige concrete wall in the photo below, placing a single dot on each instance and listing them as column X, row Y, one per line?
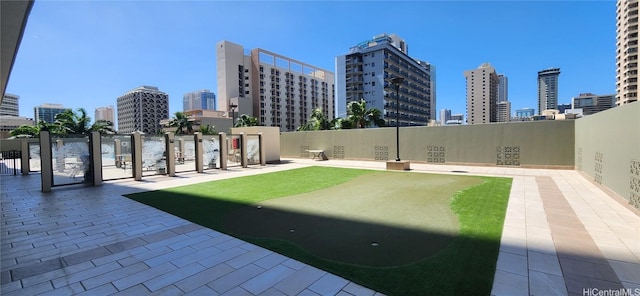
column 608, row 150
column 270, row 140
column 527, row 144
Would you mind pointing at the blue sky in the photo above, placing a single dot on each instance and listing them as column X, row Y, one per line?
column 87, row 53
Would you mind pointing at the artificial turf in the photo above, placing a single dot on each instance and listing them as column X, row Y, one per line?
column 417, row 256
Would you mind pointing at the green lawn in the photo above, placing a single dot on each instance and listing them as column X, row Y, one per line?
column 435, row 234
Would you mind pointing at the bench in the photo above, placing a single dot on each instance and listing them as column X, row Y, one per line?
column 318, row 154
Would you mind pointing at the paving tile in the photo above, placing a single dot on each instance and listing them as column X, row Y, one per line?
column 135, row 258
column 237, row 291
column 235, row 278
column 10, row 287
column 544, row 263
column 125, row 245
column 301, row 280
column 72, row 289
column 356, row 289
column 169, row 278
column 85, row 256
column 32, row 290
column 222, row 257
column 136, row 290
column 168, row 291
column 626, row 271
column 267, row 279
column 36, row 268
column 204, row 277
column 143, row 276
column 509, row 284
column 546, row 284
column 202, row 291
column 328, row 284
column 117, row 274
column 271, row 260
column 248, row 257
column 155, row 261
column 512, row 263
column 106, row 289
column 54, row 274
column 272, row 292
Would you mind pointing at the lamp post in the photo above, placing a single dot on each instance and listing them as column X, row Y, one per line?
column 397, row 81
column 233, row 114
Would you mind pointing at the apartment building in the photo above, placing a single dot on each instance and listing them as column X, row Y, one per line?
column 10, row 105
column 548, row 89
column 482, row 94
column 278, row 90
column 365, row 73
column 47, row 112
column 591, row 103
column 626, row 51
column 199, row 100
column 142, row 109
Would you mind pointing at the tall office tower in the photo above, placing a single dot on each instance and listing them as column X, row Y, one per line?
column 482, row 94
column 432, row 95
column 105, row 113
column 548, row 89
column 504, row 111
column 445, row 115
column 47, row 112
column 365, row 73
column 627, row 51
column 278, row 90
column 199, row 100
column 590, row 103
column 9, row 105
column 141, row 109
column 503, row 88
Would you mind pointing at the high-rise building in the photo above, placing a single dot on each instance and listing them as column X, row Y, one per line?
column 105, row 113
column 548, row 89
column 141, row 109
column 503, row 88
column 9, row 105
column 503, row 110
column 445, row 115
column 627, row 51
column 590, row 103
column 278, row 90
column 563, row 107
column 365, row 73
column 47, row 112
column 199, row 100
column 482, row 94
column 524, row 114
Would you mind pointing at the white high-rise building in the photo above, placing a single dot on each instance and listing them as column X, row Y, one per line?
column 365, row 73
column 627, row 51
column 548, row 89
column 278, row 90
column 503, row 110
column 482, row 94
column 141, row 109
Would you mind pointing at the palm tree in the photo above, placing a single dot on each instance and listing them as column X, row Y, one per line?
column 208, row 130
column 73, row 123
column 103, row 127
column 317, row 121
column 29, row 131
column 246, row 120
column 181, row 122
column 361, row 117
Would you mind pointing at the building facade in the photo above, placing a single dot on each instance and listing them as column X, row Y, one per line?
column 503, row 110
column 277, row 90
column 548, row 89
column 47, row 112
column 591, row 103
column 482, row 94
column 503, row 88
column 199, row 100
column 445, row 114
column 627, row 51
column 10, row 105
column 365, row 73
column 141, row 109
column 524, row 114
column 105, row 113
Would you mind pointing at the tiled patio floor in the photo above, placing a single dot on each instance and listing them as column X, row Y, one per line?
column 562, row 234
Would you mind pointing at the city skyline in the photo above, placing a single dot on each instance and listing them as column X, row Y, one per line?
column 80, row 54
